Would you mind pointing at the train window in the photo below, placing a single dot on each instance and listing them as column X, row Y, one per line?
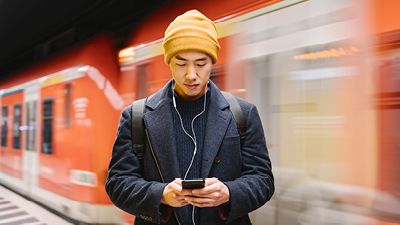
column 4, row 124
column 47, row 126
column 31, row 128
column 16, row 127
column 67, row 105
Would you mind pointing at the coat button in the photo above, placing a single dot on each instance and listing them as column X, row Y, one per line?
column 217, row 160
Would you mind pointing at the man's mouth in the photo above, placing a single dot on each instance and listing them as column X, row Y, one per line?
column 191, row 86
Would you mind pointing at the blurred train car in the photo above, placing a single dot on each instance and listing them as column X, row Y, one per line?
column 57, row 126
column 311, row 70
column 305, row 64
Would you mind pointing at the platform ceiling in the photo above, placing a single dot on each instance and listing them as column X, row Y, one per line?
column 31, row 30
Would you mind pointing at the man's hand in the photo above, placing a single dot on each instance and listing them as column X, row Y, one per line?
column 174, row 195
column 214, row 193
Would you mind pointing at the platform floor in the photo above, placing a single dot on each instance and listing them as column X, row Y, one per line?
column 16, row 210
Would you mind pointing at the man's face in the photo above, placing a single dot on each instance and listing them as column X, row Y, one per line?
column 191, row 71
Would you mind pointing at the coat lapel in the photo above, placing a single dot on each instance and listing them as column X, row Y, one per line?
column 218, row 118
column 159, row 125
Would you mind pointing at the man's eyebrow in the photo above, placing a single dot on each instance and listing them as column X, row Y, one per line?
column 202, row 59
column 178, row 57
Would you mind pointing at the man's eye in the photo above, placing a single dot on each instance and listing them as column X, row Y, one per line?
column 180, row 64
column 201, row 64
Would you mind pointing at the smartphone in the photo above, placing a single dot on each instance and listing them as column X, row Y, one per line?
column 193, row 183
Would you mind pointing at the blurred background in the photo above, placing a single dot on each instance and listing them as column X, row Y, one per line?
column 324, row 74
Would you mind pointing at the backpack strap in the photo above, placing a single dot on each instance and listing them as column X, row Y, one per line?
column 138, row 127
column 237, row 113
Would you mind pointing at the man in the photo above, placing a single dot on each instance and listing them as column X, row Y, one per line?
column 191, row 133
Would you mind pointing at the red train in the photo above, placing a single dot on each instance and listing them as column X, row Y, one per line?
column 59, row 117
column 58, row 120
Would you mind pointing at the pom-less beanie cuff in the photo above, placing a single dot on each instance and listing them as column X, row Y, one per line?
column 181, row 43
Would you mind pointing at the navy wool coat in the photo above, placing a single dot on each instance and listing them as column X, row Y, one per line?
column 245, row 169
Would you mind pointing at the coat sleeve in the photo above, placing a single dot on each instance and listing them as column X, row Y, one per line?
column 255, row 186
column 124, row 184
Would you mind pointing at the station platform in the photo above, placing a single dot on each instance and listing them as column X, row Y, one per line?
column 16, row 210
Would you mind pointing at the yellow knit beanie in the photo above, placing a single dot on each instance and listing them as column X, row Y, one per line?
column 191, row 31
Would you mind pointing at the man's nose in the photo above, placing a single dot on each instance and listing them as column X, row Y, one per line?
column 191, row 73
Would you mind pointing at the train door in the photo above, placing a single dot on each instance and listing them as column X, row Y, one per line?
column 30, row 158
column 11, row 135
